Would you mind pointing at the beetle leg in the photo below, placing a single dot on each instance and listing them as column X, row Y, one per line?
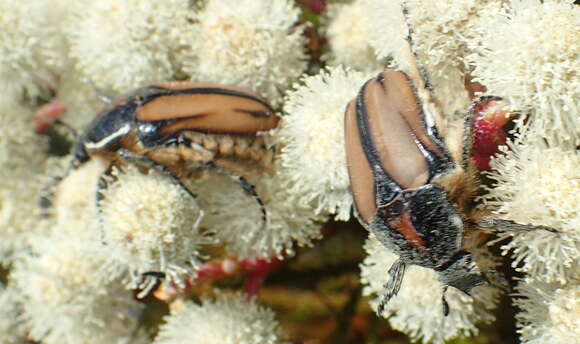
column 444, row 301
column 249, row 188
column 416, row 68
column 514, row 226
column 393, row 285
column 146, row 162
column 102, row 185
column 98, row 92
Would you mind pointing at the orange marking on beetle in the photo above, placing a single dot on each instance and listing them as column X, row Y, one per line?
column 404, row 226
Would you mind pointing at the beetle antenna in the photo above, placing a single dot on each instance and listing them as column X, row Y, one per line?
column 416, row 68
column 98, row 92
column 393, row 285
column 508, row 225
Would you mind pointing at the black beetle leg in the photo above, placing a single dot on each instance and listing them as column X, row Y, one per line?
column 444, row 301
column 98, row 92
column 249, row 188
column 514, row 226
column 144, row 161
column 393, row 285
column 102, row 185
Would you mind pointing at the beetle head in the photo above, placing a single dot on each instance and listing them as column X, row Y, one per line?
column 80, row 154
column 461, row 273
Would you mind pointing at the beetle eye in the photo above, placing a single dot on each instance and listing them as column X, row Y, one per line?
column 147, row 128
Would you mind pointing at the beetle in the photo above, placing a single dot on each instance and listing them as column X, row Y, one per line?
column 180, row 128
column 408, row 190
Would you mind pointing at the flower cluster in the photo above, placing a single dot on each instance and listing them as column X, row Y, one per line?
column 224, row 319
column 90, row 250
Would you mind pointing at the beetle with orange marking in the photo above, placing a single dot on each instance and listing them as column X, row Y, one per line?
column 179, row 124
column 407, row 189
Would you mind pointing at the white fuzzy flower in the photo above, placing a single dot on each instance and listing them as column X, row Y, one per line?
column 312, row 140
column 530, row 56
column 248, row 43
column 237, row 218
column 440, row 31
column 348, row 34
column 538, row 185
column 30, row 43
column 150, row 223
column 22, row 156
column 226, row 319
column 68, row 298
column 123, row 45
column 550, row 313
column 417, row 308
column 12, row 330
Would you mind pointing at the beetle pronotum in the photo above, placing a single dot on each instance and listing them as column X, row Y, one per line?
column 408, row 191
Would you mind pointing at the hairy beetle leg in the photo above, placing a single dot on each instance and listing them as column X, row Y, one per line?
column 444, row 302
column 141, row 160
column 249, row 188
column 393, row 285
column 102, row 185
column 514, row 226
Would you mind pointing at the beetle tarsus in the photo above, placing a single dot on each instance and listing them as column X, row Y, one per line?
column 393, row 285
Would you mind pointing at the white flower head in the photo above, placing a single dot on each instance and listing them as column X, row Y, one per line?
column 151, row 224
column 22, row 157
column 68, row 298
column 237, row 219
column 123, row 45
column 30, row 41
column 417, row 308
column 530, row 56
column 550, row 313
column 538, row 185
column 12, row 330
column 223, row 320
column 348, row 34
column 312, row 139
column 248, row 43
column 440, row 31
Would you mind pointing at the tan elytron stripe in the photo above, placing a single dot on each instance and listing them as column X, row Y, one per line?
column 185, row 85
column 359, row 170
column 405, row 227
column 397, row 148
column 209, row 112
column 408, row 105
